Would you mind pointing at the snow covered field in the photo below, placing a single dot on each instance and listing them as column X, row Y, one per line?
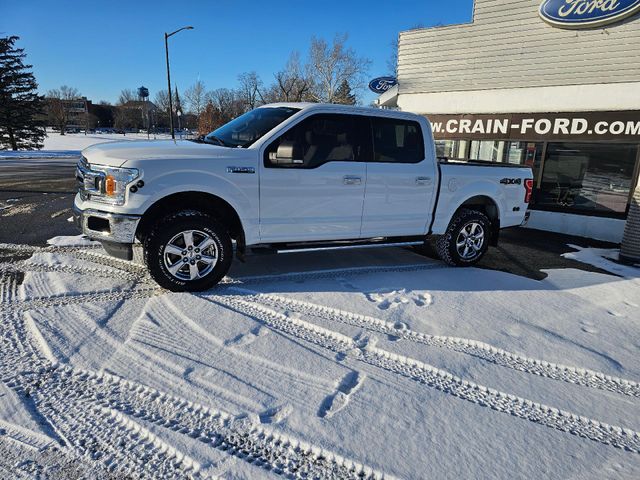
column 71, row 144
column 363, row 365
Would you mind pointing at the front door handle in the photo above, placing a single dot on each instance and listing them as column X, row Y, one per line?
column 352, row 180
column 423, row 180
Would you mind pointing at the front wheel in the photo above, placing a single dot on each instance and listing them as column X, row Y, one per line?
column 466, row 240
column 188, row 252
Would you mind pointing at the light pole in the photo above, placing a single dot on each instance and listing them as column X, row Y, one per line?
column 166, row 48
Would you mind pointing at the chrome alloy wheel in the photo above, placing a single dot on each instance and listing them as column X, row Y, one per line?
column 470, row 241
column 190, row 255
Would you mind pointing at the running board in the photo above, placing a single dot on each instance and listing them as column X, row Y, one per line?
column 303, row 248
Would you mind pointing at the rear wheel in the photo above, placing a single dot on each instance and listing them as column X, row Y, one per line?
column 466, row 239
column 188, row 252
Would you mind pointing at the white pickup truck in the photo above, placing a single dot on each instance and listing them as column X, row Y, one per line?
column 292, row 176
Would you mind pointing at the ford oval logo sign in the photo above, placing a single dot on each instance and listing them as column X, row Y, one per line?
column 587, row 13
column 382, row 84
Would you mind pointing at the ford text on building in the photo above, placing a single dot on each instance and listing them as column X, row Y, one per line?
column 587, row 13
column 552, row 85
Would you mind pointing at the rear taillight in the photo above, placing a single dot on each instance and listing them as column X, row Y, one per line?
column 528, row 190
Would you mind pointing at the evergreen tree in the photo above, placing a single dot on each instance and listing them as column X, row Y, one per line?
column 21, row 108
column 344, row 95
column 177, row 106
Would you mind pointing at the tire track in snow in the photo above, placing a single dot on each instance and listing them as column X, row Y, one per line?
column 25, row 436
column 97, row 413
column 484, row 351
column 423, row 373
column 16, row 247
column 142, row 291
column 97, row 433
column 44, row 268
column 19, row 461
column 96, row 423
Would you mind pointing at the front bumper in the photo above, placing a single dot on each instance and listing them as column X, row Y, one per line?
column 116, row 232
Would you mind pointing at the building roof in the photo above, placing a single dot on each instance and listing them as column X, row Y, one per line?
column 338, row 108
column 139, row 104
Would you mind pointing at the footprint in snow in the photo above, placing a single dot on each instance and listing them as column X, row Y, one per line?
column 246, row 338
column 589, row 327
column 389, row 298
column 339, row 399
column 276, row 414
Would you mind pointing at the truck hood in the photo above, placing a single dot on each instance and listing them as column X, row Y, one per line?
column 116, row 154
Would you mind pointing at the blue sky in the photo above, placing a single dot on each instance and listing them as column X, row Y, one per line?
column 102, row 47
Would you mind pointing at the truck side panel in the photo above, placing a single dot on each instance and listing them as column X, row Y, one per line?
column 460, row 182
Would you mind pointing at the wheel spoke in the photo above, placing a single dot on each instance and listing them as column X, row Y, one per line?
column 207, row 259
column 466, row 251
column 461, row 243
column 193, row 271
column 175, row 267
column 204, row 244
column 173, row 250
column 188, row 239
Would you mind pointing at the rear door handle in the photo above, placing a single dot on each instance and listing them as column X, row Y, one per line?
column 352, row 180
column 423, row 180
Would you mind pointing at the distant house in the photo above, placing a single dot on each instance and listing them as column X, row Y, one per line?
column 74, row 112
column 147, row 112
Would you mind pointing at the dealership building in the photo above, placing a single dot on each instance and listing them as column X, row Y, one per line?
column 555, row 87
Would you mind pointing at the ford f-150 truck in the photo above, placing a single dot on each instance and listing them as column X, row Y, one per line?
column 292, row 176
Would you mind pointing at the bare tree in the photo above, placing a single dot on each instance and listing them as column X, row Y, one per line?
column 126, row 118
column 228, row 103
column 250, row 86
column 162, row 101
column 331, row 65
column 292, row 84
column 392, row 62
column 58, row 107
column 195, row 96
column 127, row 95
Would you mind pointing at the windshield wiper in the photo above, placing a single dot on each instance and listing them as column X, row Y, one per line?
column 216, row 139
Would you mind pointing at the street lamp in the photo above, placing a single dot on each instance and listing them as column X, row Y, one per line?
column 166, row 48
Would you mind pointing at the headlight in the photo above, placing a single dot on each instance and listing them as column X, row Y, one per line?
column 113, row 183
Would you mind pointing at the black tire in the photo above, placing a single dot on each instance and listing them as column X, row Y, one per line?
column 427, row 249
column 202, row 226
column 448, row 245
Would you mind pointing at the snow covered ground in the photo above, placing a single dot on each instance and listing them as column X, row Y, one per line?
column 362, row 365
column 71, row 144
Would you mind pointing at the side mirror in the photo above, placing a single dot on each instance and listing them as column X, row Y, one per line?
column 288, row 153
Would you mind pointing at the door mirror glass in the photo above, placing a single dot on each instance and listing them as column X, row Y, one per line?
column 289, row 152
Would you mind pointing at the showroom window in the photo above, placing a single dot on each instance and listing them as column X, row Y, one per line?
column 453, row 149
column 487, row 150
column 590, row 178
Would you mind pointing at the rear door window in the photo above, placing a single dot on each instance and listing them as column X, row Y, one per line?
column 397, row 141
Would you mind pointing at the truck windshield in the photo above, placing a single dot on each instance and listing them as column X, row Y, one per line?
column 247, row 128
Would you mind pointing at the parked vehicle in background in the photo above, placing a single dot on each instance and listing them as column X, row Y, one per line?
column 285, row 177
